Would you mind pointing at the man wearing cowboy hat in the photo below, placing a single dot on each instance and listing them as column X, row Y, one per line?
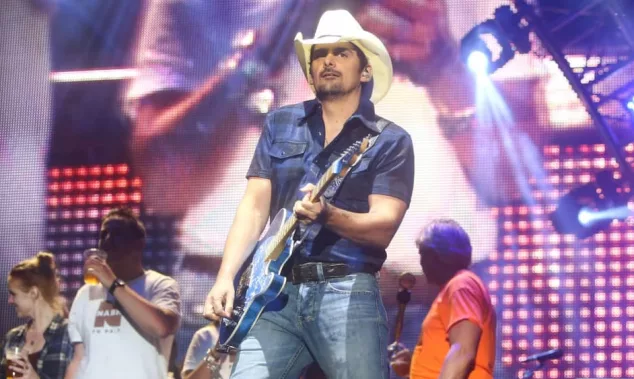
column 332, row 311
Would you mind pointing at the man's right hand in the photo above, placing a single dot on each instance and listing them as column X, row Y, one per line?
column 401, row 362
column 220, row 299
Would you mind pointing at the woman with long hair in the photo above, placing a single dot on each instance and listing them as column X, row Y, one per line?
column 43, row 342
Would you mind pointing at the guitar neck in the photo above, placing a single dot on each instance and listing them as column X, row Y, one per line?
column 277, row 244
column 321, row 185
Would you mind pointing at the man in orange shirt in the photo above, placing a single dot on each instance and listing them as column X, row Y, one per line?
column 457, row 339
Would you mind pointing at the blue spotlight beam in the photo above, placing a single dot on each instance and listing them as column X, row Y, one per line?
column 492, row 112
column 585, row 96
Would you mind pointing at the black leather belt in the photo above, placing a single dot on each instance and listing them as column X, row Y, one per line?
column 310, row 272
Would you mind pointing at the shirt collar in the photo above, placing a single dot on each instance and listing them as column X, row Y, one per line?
column 55, row 324
column 365, row 113
column 52, row 327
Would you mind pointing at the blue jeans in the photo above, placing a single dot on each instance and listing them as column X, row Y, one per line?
column 340, row 323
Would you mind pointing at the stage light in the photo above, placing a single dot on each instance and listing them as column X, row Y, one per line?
column 590, row 208
column 478, row 62
column 494, row 42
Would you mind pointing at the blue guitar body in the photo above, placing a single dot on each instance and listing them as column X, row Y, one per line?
column 265, row 285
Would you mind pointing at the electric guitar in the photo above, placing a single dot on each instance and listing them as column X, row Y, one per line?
column 262, row 282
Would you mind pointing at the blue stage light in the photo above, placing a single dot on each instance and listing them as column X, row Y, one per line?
column 588, row 209
column 508, row 31
column 478, row 62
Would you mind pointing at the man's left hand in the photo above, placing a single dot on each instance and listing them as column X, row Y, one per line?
column 308, row 212
column 401, row 363
column 99, row 267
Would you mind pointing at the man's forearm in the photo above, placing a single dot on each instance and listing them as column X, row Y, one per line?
column 243, row 235
column 73, row 365
column 71, row 370
column 370, row 229
column 150, row 318
column 458, row 363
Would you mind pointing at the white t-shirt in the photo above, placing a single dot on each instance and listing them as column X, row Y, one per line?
column 203, row 340
column 113, row 346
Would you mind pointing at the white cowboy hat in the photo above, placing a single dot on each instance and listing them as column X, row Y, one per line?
column 339, row 26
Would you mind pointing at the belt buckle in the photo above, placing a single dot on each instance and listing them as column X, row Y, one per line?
column 336, row 270
column 310, row 272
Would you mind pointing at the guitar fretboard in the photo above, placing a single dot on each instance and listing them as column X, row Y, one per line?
column 276, row 245
column 338, row 168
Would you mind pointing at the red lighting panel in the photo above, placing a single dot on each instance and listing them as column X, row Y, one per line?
column 558, row 291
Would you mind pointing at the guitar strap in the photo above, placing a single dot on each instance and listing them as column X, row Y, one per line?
column 381, row 124
column 333, row 188
column 303, row 231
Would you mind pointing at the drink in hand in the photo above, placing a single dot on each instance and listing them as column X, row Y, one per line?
column 89, row 277
column 12, row 355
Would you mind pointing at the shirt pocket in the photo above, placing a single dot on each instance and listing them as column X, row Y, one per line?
column 287, row 160
column 287, row 149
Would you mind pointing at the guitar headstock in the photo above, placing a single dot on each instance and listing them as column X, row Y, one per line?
column 351, row 156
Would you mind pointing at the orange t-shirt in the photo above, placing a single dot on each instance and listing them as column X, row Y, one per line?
column 463, row 298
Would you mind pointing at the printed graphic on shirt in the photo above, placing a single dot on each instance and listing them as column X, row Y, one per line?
column 108, row 319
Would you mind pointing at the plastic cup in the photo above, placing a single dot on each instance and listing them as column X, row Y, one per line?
column 12, row 355
column 89, row 277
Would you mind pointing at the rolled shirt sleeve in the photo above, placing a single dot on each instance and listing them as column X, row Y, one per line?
column 395, row 170
column 166, row 295
column 261, row 163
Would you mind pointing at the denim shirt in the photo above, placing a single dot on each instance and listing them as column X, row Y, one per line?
column 290, row 153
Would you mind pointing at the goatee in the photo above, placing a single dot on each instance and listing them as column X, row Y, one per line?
column 329, row 94
column 332, row 92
